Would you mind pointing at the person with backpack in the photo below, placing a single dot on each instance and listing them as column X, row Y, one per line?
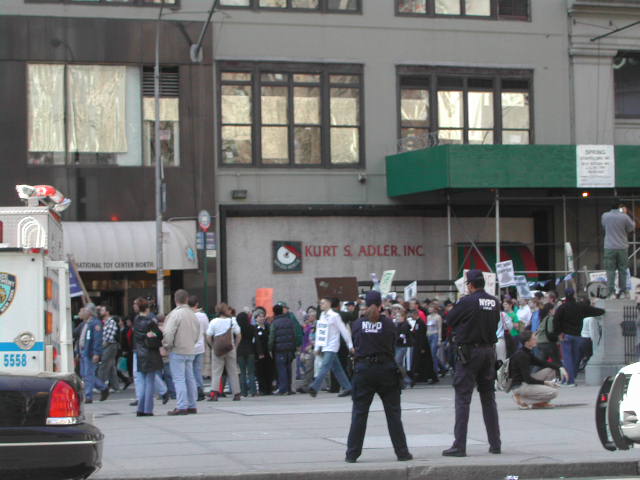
column 538, row 389
column 547, row 348
column 224, row 335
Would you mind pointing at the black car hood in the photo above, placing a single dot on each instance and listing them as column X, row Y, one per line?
column 24, row 399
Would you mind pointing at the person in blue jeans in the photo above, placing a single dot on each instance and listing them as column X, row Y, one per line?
column 329, row 328
column 568, row 323
column 147, row 339
column 90, row 353
column 283, row 341
column 181, row 333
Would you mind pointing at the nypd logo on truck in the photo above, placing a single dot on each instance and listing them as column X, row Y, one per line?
column 7, row 290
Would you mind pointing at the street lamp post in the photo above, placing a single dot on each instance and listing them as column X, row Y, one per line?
column 159, row 185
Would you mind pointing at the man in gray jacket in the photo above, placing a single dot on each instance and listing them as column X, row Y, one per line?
column 617, row 225
column 181, row 333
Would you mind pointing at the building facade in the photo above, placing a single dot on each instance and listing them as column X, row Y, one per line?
column 78, row 113
column 305, row 105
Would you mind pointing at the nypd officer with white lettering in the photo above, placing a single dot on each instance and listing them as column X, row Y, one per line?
column 374, row 339
column 474, row 320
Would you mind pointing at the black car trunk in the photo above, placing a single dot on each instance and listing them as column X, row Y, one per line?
column 24, row 400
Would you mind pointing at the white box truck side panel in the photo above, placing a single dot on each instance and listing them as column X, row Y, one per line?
column 22, row 313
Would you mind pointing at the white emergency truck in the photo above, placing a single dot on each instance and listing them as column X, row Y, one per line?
column 35, row 313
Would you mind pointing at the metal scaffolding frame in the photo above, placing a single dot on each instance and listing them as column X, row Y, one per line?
column 495, row 207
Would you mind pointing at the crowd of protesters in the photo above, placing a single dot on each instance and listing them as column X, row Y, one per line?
column 254, row 352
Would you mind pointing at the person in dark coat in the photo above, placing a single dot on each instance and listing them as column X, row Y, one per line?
column 246, row 352
column 568, row 321
column 147, row 340
column 283, row 342
column 422, row 362
column 264, row 361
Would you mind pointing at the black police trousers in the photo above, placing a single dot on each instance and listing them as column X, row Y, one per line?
column 369, row 379
column 480, row 371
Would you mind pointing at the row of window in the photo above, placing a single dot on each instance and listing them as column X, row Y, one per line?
column 271, row 114
column 501, row 9
column 135, row 3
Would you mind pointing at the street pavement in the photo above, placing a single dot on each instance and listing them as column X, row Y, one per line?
column 301, row 437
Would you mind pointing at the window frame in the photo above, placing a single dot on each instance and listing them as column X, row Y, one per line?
column 623, row 116
column 323, row 7
column 494, row 15
column 431, row 74
column 68, row 156
column 101, row 3
column 258, row 68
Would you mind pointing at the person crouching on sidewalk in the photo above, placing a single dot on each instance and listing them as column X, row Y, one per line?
column 538, row 389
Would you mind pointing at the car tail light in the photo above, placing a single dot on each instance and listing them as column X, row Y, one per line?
column 64, row 405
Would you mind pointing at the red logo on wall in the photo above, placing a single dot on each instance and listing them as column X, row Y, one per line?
column 286, row 256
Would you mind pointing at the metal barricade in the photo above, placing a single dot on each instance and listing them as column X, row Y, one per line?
column 629, row 332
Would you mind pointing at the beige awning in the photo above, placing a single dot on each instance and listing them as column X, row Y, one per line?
column 129, row 246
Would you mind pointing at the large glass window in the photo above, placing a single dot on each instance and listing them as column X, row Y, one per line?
column 84, row 114
column 169, row 116
column 290, row 114
column 626, row 76
column 330, row 6
column 502, row 9
column 445, row 106
column 170, row 3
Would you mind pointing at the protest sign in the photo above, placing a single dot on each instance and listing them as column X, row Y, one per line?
column 343, row 288
column 264, row 299
column 411, row 291
column 523, row 287
column 386, row 281
column 505, row 273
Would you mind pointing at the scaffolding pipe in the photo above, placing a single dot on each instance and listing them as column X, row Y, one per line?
column 564, row 230
column 635, row 252
column 449, row 239
column 497, row 225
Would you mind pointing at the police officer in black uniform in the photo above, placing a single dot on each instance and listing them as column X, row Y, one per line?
column 375, row 371
column 474, row 320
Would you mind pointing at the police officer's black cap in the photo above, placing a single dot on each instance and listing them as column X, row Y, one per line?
column 373, row 298
column 474, row 274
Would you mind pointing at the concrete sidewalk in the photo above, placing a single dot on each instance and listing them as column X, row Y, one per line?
column 301, row 437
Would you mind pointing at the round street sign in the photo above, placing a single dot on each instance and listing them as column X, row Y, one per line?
column 204, row 219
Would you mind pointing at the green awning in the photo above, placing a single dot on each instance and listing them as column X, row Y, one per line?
column 498, row 166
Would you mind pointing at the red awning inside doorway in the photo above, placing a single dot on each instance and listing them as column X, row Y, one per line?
column 522, row 257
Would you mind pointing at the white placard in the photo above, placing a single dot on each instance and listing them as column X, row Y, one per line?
column 523, row 287
column 596, row 166
column 461, row 285
column 386, row 281
column 489, row 283
column 506, row 274
column 322, row 332
column 411, row 291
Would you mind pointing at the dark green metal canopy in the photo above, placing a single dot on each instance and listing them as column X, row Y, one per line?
column 498, row 166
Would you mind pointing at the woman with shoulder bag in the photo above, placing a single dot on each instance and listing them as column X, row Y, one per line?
column 224, row 335
column 147, row 340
